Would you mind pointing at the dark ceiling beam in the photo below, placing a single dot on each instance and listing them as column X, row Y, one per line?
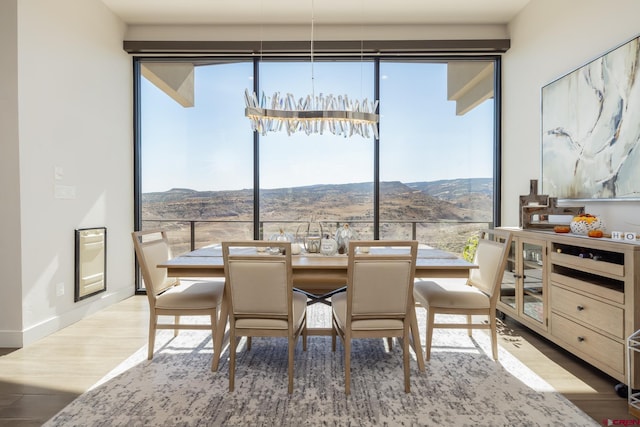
column 328, row 47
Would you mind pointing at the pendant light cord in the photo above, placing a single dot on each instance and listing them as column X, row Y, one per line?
column 313, row 89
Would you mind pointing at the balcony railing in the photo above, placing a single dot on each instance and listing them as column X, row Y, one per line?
column 190, row 234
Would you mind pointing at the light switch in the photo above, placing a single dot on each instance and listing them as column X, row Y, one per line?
column 58, row 173
column 65, row 191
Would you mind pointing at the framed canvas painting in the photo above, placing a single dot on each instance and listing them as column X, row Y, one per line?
column 591, row 129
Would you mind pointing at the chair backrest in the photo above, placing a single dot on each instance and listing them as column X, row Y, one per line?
column 491, row 258
column 152, row 248
column 380, row 278
column 259, row 282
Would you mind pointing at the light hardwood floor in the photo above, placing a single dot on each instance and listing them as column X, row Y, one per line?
column 40, row 379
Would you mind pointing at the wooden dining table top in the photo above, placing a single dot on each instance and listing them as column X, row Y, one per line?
column 208, row 261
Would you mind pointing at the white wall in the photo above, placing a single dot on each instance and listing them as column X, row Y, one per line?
column 75, row 113
column 550, row 38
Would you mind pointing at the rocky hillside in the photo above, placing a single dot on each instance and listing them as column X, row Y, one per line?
column 452, row 200
column 446, row 213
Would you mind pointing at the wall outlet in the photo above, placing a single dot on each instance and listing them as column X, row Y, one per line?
column 60, row 289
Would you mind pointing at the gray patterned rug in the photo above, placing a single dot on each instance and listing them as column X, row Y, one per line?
column 462, row 386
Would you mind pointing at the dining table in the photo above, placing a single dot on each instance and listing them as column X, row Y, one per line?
column 318, row 276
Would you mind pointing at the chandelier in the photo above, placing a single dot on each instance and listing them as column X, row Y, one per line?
column 339, row 115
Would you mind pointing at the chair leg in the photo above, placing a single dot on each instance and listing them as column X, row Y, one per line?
column 470, row 330
column 176, row 322
column 292, row 345
column 305, row 334
column 248, row 343
column 152, row 334
column 347, row 363
column 405, row 357
column 333, row 335
column 390, row 342
column 494, row 336
column 415, row 342
column 214, row 317
column 431, row 316
column 233, row 344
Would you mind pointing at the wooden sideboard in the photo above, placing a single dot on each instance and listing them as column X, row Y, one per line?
column 581, row 293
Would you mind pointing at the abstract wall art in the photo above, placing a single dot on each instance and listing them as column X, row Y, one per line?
column 591, row 129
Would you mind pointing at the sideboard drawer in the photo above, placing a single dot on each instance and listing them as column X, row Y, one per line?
column 589, row 342
column 587, row 264
column 606, row 317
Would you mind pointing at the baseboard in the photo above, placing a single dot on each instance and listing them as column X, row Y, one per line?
column 18, row 339
column 10, row 339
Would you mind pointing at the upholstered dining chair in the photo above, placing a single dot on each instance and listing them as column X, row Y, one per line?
column 260, row 297
column 167, row 295
column 378, row 301
column 476, row 295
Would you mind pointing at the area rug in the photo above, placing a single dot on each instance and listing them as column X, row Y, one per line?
column 462, row 386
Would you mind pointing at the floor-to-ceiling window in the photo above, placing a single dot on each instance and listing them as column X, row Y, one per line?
column 324, row 177
column 196, row 151
column 204, row 173
column 436, row 150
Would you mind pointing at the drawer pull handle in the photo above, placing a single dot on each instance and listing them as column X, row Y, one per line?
column 580, row 339
column 580, row 308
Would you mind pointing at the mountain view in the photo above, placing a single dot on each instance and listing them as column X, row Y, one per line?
column 446, row 212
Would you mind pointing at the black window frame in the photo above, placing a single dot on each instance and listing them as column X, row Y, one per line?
column 377, row 59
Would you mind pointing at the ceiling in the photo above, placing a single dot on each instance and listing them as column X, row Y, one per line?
column 288, row 12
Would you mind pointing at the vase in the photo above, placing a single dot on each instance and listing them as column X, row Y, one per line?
column 310, row 234
column 343, row 236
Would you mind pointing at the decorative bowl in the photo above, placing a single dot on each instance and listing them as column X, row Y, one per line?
column 582, row 224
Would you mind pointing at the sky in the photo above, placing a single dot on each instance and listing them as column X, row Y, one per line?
column 210, row 146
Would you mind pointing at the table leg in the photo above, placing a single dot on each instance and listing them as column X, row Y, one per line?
column 415, row 332
column 221, row 327
column 315, row 298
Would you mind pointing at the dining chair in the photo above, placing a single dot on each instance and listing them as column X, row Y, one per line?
column 168, row 296
column 475, row 295
column 260, row 297
column 378, row 301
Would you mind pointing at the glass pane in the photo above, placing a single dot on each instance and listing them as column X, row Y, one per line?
column 436, row 151
column 321, row 176
column 196, row 151
column 508, row 287
column 532, row 292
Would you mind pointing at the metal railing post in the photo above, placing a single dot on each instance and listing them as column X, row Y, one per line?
column 192, row 224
